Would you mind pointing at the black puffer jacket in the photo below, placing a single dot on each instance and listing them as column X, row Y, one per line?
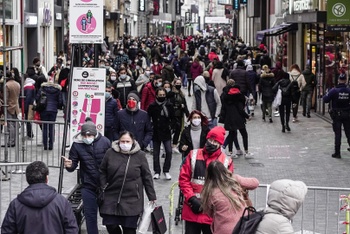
column 267, row 81
column 125, row 200
column 40, row 209
column 232, row 113
column 241, row 78
column 90, row 158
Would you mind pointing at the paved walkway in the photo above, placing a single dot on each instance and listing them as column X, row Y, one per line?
column 302, row 154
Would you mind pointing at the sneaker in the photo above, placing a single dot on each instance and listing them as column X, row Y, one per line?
column 295, row 119
column 156, row 176
column 276, row 112
column 277, row 115
column 248, row 155
column 229, row 154
column 239, row 152
column 234, row 156
column 167, row 176
column 336, row 155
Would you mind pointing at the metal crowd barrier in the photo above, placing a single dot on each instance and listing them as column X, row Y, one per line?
column 11, row 185
column 31, row 149
column 320, row 213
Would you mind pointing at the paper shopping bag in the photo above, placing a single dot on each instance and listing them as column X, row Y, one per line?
column 145, row 222
column 158, row 221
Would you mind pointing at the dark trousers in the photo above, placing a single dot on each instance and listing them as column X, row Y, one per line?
column 197, row 228
column 90, row 210
column 189, row 84
column 48, row 129
column 168, row 156
column 266, row 106
column 232, row 138
column 29, row 126
column 116, row 229
column 337, row 123
column 306, row 101
column 110, row 133
column 295, row 104
column 284, row 110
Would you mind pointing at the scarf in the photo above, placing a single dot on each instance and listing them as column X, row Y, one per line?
column 164, row 111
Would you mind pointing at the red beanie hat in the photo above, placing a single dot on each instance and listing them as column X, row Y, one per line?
column 217, row 133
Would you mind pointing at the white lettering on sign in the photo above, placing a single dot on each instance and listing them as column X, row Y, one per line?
column 301, row 5
column 142, row 5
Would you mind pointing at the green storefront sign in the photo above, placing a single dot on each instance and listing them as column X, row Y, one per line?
column 338, row 12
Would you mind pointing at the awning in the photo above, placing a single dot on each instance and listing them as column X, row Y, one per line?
column 275, row 31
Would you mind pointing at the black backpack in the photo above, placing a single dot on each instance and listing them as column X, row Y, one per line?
column 202, row 51
column 42, row 102
column 294, row 85
column 248, row 224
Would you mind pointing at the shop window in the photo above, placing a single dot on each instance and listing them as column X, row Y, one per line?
column 8, row 9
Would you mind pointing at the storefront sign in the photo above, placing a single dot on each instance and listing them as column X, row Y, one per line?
column 86, row 21
column 338, row 28
column 338, row 12
column 236, row 4
column 87, row 98
column 142, row 5
column 177, row 7
column 302, row 5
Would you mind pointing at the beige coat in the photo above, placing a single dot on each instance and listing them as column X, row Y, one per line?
column 218, row 81
column 13, row 91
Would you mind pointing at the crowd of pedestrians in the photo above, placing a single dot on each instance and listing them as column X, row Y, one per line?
column 147, row 80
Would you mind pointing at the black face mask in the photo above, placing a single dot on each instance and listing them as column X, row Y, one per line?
column 161, row 99
column 178, row 87
column 211, row 148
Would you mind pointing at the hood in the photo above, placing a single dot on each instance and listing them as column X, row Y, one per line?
column 37, row 195
column 51, row 87
column 29, row 82
column 134, row 149
column 195, row 65
column 233, row 91
column 294, row 72
column 286, row 196
column 78, row 138
column 307, row 72
column 200, row 81
column 169, row 67
column 266, row 74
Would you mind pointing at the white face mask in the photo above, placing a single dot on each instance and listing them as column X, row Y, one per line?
column 126, row 147
column 113, row 78
column 89, row 140
column 196, row 122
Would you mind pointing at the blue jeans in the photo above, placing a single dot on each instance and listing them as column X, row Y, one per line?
column 184, row 78
column 90, row 210
column 212, row 123
column 48, row 129
column 168, row 156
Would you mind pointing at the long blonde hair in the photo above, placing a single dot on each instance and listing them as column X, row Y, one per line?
column 217, row 176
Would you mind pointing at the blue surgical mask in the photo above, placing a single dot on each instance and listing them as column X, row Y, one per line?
column 88, row 140
column 107, row 95
column 123, row 76
column 159, row 84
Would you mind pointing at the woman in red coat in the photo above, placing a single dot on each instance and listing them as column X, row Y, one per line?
column 196, row 69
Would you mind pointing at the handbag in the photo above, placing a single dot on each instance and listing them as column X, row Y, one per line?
column 158, row 221
column 145, row 223
column 278, row 99
column 101, row 194
column 30, row 112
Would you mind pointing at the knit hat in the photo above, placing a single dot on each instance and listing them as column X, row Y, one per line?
column 218, row 134
column 88, row 128
column 206, row 74
column 134, row 96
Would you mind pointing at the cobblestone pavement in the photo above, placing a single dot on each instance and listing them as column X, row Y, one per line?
column 302, row 154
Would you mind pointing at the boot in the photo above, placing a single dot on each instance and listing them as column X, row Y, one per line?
column 287, row 127
column 283, row 128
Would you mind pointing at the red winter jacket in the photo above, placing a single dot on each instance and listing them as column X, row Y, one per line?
column 196, row 70
column 190, row 188
column 212, row 56
column 148, row 96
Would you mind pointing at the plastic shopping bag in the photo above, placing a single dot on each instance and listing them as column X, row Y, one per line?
column 278, row 99
column 145, row 222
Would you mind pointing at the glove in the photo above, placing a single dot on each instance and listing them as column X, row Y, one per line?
column 195, row 204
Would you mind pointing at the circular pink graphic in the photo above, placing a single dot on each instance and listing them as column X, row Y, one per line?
column 74, row 122
column 75, row 112
column 75, row 93
column 99, row 126
column 75, row 103
column 86, row 23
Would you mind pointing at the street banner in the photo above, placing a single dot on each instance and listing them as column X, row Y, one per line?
column 86, row 21
column 338, row 12
column 87, row 98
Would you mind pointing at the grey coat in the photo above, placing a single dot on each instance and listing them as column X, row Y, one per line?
column 284, row 200
column 138, row 176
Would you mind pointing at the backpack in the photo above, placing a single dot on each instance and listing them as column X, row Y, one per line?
column 202, row 51
column 248, row 224
column 42, row 102
column 294, row 85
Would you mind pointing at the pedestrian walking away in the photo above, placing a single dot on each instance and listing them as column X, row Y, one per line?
column 339, row 112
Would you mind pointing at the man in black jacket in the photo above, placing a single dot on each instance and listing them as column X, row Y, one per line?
column 39, row 208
